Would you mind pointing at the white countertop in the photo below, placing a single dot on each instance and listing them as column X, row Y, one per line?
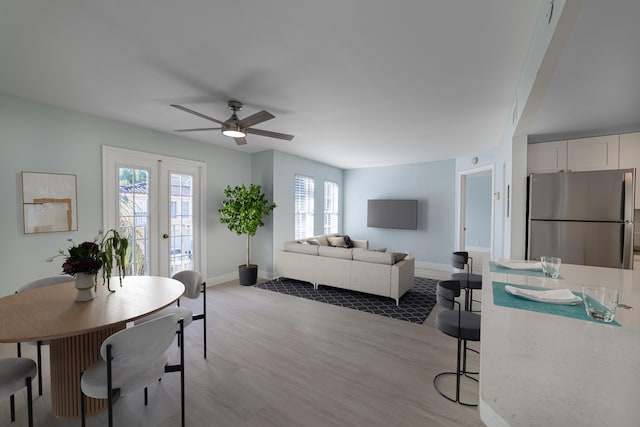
column 545, row 370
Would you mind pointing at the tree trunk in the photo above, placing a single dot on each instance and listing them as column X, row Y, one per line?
column 248, row 246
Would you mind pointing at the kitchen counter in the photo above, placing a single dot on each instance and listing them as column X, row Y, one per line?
column 547, row 370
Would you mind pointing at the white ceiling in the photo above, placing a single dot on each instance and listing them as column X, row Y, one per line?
column 359, row 83
column 595, row 89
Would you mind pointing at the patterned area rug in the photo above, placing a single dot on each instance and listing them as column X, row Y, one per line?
column 415, row 304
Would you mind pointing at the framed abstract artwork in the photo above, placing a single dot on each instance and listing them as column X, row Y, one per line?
column 49, row 202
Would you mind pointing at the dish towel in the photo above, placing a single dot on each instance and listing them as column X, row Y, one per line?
column 554, row 296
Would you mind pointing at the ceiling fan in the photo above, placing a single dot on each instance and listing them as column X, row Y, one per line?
column 237, row 128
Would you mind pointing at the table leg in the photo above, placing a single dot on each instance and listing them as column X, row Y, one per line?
column 69, row 357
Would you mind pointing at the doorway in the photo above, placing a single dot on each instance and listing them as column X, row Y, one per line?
column 476, row 215
column 156, row 201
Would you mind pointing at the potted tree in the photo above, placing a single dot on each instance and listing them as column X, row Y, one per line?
column 242, row 211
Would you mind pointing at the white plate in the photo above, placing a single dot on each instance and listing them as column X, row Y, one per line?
column 553, row 296
column 519, row 265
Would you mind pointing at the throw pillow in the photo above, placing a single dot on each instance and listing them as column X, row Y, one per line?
column 379, row 250
column 337, row 241
column 398, row 256
column 347, row 241
column 313, row 242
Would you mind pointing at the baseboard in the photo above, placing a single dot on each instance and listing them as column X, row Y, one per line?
column 223, row 278
column 433, row 266
column 228, row 277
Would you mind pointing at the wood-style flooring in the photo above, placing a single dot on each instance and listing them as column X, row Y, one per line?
column 278, row 360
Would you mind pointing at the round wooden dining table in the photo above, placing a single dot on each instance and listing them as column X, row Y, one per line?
column 76, row 330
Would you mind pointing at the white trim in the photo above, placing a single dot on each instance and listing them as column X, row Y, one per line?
column 153, row 161
column 490, row 417
column 461, row 205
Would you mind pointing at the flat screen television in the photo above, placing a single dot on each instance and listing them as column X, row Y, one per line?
column 392, row 214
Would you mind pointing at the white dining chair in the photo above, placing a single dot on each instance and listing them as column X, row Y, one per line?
column 45, row 281
column 16, row 373
column 132, row 359
column 193, row 287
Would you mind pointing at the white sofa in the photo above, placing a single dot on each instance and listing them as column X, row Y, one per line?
column 375, row 272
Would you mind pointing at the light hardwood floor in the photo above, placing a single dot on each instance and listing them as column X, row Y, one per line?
column 278, row 360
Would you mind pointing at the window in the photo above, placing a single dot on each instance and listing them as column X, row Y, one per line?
column 330, row 207
column 303, row 207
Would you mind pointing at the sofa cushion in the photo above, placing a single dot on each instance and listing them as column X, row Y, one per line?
column 398, row 256
column 335, row 252
column 373, row 256
column 300, row 248
column 337, row 241
column 322, row 240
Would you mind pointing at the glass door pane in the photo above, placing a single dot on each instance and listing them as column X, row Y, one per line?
column 181, row 220
column 133, row 217
column 156, row 201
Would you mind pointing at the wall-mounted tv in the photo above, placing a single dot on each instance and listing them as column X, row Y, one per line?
column 393, row 214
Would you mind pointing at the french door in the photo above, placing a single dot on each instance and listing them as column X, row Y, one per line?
column 157, row 202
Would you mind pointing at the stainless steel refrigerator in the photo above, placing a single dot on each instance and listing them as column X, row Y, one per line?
column 584, row 218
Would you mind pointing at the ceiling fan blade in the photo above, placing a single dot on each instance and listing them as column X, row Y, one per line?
column 269, row 134
column 195, row 113
column 240, row 141
column 195, row 130
column 254, row 119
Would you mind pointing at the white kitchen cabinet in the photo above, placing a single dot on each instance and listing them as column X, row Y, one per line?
column 597, row 153
column 547, row 157
column 630, row 158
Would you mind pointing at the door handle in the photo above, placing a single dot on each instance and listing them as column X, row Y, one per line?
column 165, row 236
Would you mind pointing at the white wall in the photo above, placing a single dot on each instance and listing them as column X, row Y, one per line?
column 40, row 138
column 432, row 184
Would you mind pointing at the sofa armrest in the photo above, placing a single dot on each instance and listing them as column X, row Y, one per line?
column 402, row 274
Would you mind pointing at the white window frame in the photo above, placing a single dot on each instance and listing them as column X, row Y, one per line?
column 331, row 207
column 303, row 207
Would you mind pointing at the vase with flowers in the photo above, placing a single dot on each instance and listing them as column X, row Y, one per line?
column 85, row 260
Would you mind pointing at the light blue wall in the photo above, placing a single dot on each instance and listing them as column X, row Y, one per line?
column 478, row 210
column 285, row 168
column 40, row 138
column 262, row 247
column 432, row 184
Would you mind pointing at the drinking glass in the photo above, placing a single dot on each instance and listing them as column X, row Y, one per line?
column 600, row 302
column 551, row 266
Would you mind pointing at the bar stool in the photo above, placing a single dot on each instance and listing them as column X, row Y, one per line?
column 460, row 324
column 468, row 280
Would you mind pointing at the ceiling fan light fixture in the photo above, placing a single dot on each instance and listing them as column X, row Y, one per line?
column 234, row 132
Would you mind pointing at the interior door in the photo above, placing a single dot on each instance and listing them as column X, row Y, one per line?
column 157, row 202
